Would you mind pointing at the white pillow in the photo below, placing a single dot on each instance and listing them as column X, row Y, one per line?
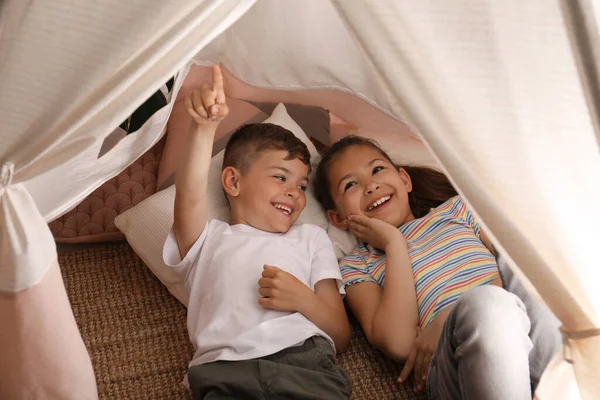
column 147, row 225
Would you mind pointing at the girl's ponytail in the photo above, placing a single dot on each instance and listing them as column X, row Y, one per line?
column 430, row 188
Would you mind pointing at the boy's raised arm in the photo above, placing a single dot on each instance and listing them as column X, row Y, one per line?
column 208, row 108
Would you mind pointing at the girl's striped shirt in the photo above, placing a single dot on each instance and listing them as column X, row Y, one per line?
column 446, row 255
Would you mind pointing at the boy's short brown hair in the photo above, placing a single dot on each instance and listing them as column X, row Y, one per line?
column 250, row 140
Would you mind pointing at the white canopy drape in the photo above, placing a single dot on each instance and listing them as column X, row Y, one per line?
column 494, row 90
column 70, row 72
column 492, row 87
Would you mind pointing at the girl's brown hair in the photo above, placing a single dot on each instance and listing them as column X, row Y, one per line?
column 430, row 188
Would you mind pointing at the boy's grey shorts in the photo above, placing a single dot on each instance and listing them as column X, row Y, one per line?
column 308, row 371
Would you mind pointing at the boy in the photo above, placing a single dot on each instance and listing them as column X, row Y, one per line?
column 265, row 312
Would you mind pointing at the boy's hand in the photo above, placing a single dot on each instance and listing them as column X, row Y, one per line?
column 282, row 291
column 376, row 232
column 207, row 105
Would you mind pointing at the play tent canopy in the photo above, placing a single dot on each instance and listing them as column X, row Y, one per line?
column 504, row 93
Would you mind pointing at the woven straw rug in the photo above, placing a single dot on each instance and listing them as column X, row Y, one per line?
column 136, row 334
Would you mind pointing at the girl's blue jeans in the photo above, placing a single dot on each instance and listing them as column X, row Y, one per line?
column 495, row 344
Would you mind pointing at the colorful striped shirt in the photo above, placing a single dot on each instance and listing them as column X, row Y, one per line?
column 447, row 258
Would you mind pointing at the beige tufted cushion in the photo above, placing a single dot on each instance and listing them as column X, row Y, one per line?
column 93, row 219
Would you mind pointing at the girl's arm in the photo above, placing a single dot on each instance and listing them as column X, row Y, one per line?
column 388, row 316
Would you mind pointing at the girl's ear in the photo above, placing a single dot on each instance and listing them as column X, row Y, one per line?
column 230, row 179
column 405, row 179
column 337, row 220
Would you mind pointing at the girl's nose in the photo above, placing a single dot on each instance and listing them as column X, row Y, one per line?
column 372, row 187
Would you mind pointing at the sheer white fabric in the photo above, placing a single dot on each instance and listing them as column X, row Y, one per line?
column 495, row 91
column 493, row 88
column 70, row 72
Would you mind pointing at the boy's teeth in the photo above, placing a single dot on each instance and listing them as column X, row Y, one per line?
column 287, row 210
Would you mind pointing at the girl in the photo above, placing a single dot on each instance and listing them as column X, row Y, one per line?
column 424, row 283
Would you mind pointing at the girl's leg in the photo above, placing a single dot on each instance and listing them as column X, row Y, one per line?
column 545, row 327
column 483, row 352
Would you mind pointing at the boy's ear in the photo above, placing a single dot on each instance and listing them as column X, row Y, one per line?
column 406, row 179
column 230, row 179
column 336, row 219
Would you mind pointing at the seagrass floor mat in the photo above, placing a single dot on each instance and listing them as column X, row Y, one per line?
column 136, row 335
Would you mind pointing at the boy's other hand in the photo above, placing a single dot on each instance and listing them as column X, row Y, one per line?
column 282, row 291
column 207, row 105
column 375, row 232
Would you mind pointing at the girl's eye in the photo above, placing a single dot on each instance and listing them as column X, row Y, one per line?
column 377, row 169
column 349, row 185
column 280, row 177
column 302, row 187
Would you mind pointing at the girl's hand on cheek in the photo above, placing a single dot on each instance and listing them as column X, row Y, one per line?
column 376, row 232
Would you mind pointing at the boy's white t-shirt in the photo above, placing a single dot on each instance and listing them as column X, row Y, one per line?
column 221, row 273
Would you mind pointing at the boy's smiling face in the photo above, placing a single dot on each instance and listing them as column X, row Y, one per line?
column 270, row 195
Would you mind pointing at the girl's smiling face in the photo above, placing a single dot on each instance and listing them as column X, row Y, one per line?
column 364, row 182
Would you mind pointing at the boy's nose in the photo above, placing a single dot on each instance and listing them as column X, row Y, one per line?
column 292, row 192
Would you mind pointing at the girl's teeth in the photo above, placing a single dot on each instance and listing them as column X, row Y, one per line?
column 378, row 202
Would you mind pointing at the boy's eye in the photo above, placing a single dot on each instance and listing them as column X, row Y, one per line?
column 377, row 169
column 349, row 185
column 280, row 177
